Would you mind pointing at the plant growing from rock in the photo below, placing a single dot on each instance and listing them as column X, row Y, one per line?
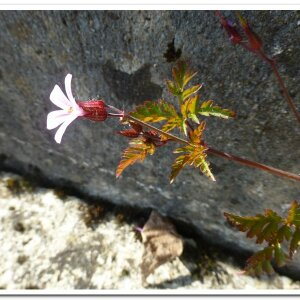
column 250, row 41
column 273, row 230
column 187, row 119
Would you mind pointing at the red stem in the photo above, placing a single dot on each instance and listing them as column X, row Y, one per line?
column 225, row 155
column 253, row 164
column 287, row 96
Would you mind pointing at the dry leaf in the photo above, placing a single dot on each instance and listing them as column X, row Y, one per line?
column 161, row 243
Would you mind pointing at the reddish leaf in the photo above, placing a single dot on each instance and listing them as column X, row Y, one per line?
column 130, row 133
column 137, row 151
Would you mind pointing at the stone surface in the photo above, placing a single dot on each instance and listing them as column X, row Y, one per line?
column 121, row 57
column 58, row 242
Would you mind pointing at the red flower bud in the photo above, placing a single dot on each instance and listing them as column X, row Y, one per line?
column 94, row 110
column 233, row 33
column 130, row 133
column 254, row 40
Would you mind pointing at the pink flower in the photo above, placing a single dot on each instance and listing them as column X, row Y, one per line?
column 69, row 111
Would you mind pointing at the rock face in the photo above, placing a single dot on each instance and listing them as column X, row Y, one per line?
column 123, row 57
column 55, row 241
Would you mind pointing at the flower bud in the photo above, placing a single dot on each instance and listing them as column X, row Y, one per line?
column 253, row 39
column 231, row 30
column 94, row 110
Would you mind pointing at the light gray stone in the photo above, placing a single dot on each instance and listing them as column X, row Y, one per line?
column 57, row 244
column 119, row 56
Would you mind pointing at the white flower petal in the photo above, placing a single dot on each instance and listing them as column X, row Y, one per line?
column 59, row 99
column 55, row 118
column 61, row 130
column 69, row 90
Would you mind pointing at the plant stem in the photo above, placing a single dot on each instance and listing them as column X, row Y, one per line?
column 171, row 136
column 225, row 155
column 253, row 164
column 286, row 94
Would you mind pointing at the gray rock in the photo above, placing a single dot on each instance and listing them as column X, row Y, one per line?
column 120, row 56
column 58, row 242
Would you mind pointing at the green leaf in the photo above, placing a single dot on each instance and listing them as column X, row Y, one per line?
column 280, row 256
column 137, row 151
column 260, row 262
column 284, row 232
column 241, row 223
column 172, row 123
column 268, row 233
column 177, row 166
column 182, row 74
column 207, row 108
column 195, row 156
column 191, row 108
column 187, row 149
column 199, row 160
column 190, row 91
column 173, row 88
column 267, row 267
column 256, row 228
column 294, row 214
column 294, row 244
column 152, row 111
column 263, row 227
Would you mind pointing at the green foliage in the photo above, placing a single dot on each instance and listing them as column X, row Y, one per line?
column 273, row 230
column 190, row 107
column 184, row 119
column 153, row 112
column 208, row 109
column 193, row 155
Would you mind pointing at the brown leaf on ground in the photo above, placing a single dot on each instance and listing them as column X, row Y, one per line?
column 161, row 244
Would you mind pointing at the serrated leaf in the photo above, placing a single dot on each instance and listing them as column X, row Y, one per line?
column 260, row 261
column 137, row 151
column 177, row 166
column 152, row 111
column 173, row 88
column 208, row 108
column 268, row 233
column 191, row 108
column 190, row 91
column 256, row 228
column 294, row 214
column 184, row 108
column 182, row 74
column 172, row 124
column 263, row 227
column 295, row 242
column 242, row 223
column 284, row 232
column 280, row 256
column 195, row 156
column 196, row 134
column 188, row 149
